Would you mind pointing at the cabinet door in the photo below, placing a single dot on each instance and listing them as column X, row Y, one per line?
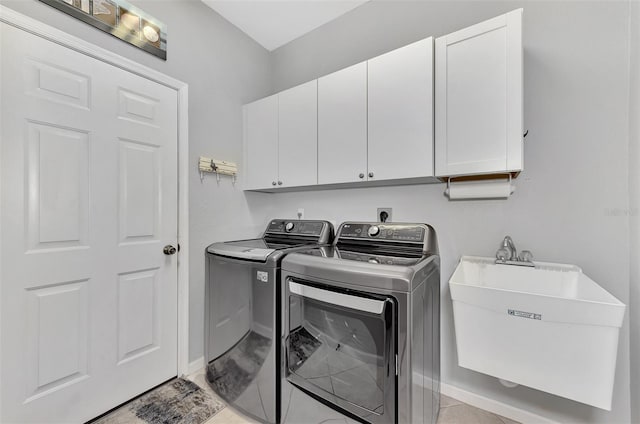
column 261, row 143
column 342, row 125
column 298, row 135
column 401, row 113
column 479, row 98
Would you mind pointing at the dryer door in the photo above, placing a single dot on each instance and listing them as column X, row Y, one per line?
column 340, row 346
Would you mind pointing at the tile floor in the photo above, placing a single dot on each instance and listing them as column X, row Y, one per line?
column 452, row 411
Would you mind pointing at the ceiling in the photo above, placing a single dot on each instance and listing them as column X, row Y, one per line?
column 274, row 23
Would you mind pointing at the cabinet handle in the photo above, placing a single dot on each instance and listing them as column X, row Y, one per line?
column 273, row 183
column 279, row 182
column 361, row 175
column 370, row 174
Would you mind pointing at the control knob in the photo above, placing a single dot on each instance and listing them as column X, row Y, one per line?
column 374, row 230
column 288, row 226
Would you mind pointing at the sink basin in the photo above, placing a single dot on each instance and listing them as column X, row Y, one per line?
column 550, row 327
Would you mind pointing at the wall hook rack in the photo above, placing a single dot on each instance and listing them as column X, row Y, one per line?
column 218, row 167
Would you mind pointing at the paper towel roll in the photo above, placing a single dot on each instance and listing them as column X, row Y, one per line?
column 485, row 189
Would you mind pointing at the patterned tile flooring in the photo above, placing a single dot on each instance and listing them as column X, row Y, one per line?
column 452, row 411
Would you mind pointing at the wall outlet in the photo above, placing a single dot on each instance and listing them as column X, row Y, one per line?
column 300, row 213
column 381, row 217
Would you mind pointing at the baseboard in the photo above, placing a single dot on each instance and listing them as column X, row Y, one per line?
column 195, row 365
column 494, row 406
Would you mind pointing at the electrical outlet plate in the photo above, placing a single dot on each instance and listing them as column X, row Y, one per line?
column 387, row 210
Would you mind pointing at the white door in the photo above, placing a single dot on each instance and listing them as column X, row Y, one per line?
column 400, row 98
column 298, row 135
column 88, row 191
column 261, row 143
column 342, row 125
column 479, row 98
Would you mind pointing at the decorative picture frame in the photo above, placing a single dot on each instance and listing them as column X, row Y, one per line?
column 120, row 19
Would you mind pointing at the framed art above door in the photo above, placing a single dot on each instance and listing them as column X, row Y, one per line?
column 120, row 19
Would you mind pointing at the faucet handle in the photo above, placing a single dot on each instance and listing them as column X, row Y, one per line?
column 526, row 256
column 502, row 254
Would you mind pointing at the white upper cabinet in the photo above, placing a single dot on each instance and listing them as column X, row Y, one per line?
column 377, row 120
column 261, row 143
column 298, row 135
column 400, row 124
column 479, row 98
column 342, row 126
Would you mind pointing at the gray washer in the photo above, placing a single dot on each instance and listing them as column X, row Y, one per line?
column 242, row 329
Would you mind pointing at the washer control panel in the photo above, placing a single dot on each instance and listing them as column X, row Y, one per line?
column 383, row 231
column 310, row 228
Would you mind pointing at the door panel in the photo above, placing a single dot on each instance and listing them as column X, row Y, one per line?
column 88, row 187
column 57, row 84
column 137, row 314
column 139, row 192
column 261, row 143
column 298, row 135
column 57, row 336
column 479, row 98
column 400, row 99
column 342, row 125
column 57, row 175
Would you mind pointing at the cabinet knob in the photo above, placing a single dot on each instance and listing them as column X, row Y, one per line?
column 273, row 183
column 279, row 182
column 361, row 175
column 370, row 174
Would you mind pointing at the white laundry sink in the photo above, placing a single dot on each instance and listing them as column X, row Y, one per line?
column 550, row 327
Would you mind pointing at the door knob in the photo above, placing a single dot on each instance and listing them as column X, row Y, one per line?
column 361, row 175
column 169, row 250
column 370, row 174
column 273, row 183
column 279, row 182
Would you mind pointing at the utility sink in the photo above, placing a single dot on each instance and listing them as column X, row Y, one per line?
column 549, row 327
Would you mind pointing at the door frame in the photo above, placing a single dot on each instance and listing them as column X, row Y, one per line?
column 35, row 27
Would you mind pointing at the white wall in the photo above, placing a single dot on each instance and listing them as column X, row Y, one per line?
column 571, row 199
column 224, row 69
column 634, row 210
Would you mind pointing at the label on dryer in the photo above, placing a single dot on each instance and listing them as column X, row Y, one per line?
column 262, row 276
column 523, row 314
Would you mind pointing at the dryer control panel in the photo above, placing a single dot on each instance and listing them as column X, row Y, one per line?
column 387, row 231
column 394, row 238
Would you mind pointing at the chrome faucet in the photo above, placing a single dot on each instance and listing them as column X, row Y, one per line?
column 510, row 247
column 507, row 254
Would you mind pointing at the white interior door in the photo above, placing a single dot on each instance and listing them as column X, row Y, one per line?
column 88, row 191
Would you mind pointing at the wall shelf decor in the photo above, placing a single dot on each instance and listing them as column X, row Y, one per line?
column 120, row 19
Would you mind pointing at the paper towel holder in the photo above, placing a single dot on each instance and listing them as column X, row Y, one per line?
column 479, row 179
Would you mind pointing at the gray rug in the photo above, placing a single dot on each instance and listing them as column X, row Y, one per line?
column 178, row 401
